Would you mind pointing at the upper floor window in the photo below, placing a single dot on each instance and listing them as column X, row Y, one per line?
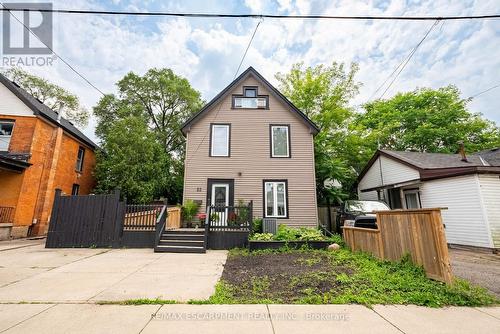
column 6, row 128
column 280, row 141
column 250, row 99
column 79, row 159
column 219, row 140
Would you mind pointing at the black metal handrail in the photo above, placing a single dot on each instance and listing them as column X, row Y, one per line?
column 229, row 217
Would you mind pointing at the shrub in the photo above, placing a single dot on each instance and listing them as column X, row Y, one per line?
column 286, row 233
column 262, row 237
column 257, row 225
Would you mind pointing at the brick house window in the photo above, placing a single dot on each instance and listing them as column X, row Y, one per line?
column 75, row 190
column 6, row 128
column 79, row 159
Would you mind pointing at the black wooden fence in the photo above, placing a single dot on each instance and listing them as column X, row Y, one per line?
column 102, row 221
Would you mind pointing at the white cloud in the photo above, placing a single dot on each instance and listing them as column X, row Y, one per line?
column 208, row 51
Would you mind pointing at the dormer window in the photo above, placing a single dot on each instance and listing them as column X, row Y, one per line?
column 250, row 99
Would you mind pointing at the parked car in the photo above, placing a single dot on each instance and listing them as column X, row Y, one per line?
column 359, row 213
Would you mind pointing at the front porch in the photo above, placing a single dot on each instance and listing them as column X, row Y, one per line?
column 224, row 227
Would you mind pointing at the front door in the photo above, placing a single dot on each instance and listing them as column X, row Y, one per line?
column 220, row 196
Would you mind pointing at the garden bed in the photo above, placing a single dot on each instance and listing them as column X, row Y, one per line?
column 334, row 277
column 259, row 245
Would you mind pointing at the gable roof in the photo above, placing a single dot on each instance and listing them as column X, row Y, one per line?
column 41, row 109
column 249, row 71
column 440, row 165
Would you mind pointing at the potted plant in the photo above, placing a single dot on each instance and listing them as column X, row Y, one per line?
column 189, row 210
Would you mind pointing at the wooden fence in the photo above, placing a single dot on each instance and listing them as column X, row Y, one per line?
column 102, row 221
column 174, row 218
column 419, row 233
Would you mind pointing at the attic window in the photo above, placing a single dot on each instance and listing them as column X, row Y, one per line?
column 250, row 99
column 6, row 128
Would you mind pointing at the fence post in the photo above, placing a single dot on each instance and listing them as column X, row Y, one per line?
column 119, row 220
column 250, row 216
column 52, row 231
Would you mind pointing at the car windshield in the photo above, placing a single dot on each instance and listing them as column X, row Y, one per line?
column 365, row 206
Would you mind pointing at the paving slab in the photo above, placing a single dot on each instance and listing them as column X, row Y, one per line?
column 18, row 243
column 9, row 276
column 329, row 319
column 208, row 319
column 87, row 318
column 417, row 319
column 59, row 287
column 13, row 314
column 493, row 311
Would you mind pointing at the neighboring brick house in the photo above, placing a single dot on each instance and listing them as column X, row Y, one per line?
column 250, row 143
column 39, row 152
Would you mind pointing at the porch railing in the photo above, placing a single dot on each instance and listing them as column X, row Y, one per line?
column 140, row 217
column 6, row 214
column 229, row 218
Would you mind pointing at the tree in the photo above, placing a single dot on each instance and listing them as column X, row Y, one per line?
column 132, row 160
column 162, row 101
column 426, row 120
column 52, row 95
column 323, row 94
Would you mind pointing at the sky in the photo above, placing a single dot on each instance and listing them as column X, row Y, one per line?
column 207, row 51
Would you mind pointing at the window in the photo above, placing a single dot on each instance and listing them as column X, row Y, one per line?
column 275, row 199
column 250, row 92
column 280, row 141
column 250, row 99
column 6, row 128
column 219, row 140
column 412, row 199
column 79, row 159
column 75, row 190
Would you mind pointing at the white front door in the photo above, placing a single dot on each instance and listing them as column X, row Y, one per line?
column 220, row 199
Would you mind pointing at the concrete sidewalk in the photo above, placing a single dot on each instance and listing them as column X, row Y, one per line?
column 31, row 273
column 262, row 319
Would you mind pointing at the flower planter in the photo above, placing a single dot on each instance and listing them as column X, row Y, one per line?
column 256, row 244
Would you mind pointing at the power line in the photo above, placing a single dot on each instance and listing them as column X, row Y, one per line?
column 271, row 16
column 408, row 58
column 57, row 55
column 484, row 91
column 220, row 104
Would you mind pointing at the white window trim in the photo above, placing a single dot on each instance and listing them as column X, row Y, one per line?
column 5, row 139
column 212, row 139
column 417, row 195
column 287, row 155
column 275, row 199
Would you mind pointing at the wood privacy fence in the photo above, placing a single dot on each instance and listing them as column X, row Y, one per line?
column 174, row 218
column 102, row 221
column 419, row 233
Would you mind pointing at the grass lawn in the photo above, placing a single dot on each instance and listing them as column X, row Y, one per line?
column 322, row 277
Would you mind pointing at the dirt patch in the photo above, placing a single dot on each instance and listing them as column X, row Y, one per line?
column 285, row 277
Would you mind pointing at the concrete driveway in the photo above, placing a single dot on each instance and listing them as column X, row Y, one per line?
column 31, row 273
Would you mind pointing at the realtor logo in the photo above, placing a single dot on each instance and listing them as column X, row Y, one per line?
column 36, row 42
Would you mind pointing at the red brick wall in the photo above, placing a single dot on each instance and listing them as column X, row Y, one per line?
column 32, row 192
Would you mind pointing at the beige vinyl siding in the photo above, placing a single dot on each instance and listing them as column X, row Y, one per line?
column 250, row 162
column 490, row 192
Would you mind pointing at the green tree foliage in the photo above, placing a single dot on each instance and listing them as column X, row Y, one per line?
column 323, row 94
column 426, row 120
column 52, row 95
column 132, row 160
column 162, row 101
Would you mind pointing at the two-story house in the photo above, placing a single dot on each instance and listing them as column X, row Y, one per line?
column 39, row 152
column 250, row 143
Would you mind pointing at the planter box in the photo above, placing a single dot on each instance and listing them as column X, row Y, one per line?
column 255, row 244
